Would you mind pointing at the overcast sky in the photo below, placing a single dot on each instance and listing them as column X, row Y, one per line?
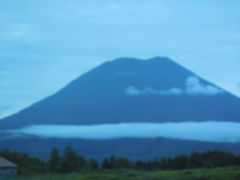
column 45, row 44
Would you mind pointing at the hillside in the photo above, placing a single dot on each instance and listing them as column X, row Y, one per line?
column 132, row 90
column 129, row 92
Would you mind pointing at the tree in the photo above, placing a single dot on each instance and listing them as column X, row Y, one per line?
column 93, row 165
column 112, row 162
column 218, row 159
column 180, row 162
column 54, row 160
column 122, row 163
column 195, row 160
column 106, row 164
column 140, row 165
column 71, row 161
column 25, row 163
column 82, row 163
column 164, row 164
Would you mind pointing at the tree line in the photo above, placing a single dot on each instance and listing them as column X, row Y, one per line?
column 71, row 161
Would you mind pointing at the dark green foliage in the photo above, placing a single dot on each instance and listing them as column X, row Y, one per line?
column 106, row 164
column 164, row 163
column 195, row 160
column 153, row 164
column 212, row 159
column 54, row 160
column 93, row 165
column 130, row 174
column 71, row 161
column 180, row 162
column 209, row 159
column 26, row 164
column 122, row 163
column 140, row 165
column 116, row 163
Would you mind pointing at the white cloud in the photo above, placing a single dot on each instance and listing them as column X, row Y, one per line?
column 194, row 87
column 172, row 91
column 132, row 91
column 213, row 131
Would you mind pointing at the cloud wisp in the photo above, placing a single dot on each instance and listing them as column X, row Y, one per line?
column 132, row 91
column 193, row 86
column 208, row 131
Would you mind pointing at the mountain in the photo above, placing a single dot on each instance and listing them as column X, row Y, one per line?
column 132, row 90
column 126, row 90
column 133, row 148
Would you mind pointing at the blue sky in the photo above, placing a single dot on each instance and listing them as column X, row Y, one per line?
column 45, row 44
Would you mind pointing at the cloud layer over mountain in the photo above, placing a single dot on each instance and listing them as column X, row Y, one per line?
column 213, row 131
column 193, row 86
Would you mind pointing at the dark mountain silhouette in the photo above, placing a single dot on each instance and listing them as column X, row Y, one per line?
column 133, row 148
column 127, row 90
column 99, row 96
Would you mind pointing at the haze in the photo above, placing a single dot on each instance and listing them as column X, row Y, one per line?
column 46, row 44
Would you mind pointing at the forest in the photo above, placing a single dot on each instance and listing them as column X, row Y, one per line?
column 70, row 161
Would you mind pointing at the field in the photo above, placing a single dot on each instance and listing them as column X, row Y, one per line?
column 196, row 174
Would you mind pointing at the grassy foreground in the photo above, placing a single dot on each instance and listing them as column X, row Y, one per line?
column 196, row 174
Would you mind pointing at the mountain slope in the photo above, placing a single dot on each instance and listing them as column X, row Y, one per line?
column 133, row 148
column 132, row 90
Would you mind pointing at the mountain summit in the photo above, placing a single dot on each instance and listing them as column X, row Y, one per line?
column 123, row 108
column 132, row 90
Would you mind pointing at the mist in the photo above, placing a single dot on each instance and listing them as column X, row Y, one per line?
column 193, row 86
column 208, row 131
